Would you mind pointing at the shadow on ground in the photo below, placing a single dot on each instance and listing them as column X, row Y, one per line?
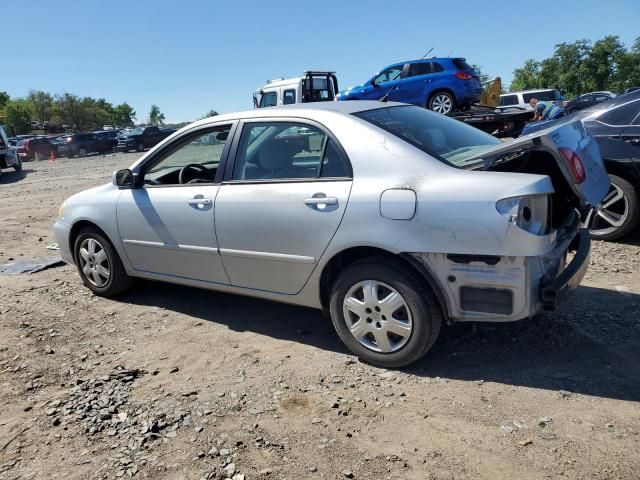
column 11, row 176
column 592, row 346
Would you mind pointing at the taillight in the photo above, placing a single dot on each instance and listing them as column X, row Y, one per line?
column 463, row 75
column 68, row 140
column 575, row 164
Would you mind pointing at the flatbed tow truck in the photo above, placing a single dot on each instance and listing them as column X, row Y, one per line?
column 499, row 122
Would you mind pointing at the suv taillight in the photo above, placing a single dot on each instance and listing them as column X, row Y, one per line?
column 575, row 164
column 463, row 75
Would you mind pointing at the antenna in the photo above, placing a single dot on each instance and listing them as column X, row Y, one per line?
column 425, row 55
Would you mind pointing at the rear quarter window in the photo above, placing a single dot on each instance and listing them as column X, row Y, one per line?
column 506, row 100
column 462, row 64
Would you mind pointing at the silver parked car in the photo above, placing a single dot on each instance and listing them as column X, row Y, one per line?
column 389, row 217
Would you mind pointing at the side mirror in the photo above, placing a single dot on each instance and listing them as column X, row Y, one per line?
column 123, row 178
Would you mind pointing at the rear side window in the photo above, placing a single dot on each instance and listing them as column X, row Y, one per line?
column 545, row 96
column 269, row 99
column 462, row 64
column 622, row 115
column 286, row 150
column 416, row 69
column 289, row 97
column 506, row 100
column 436, row 67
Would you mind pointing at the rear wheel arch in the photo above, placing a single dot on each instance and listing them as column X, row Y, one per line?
column 431, row 94
column 347, row 257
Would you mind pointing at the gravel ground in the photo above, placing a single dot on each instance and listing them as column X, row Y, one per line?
column 169, row 382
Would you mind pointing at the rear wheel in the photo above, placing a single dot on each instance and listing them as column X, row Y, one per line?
column 140, row 147
column 18, row 166
column 618, row 214
column 99, row 265
column 82, row 152
column 384, row 312
column 442, row 102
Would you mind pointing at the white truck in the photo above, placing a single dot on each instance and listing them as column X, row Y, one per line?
column 8, row 154
column 312, row 86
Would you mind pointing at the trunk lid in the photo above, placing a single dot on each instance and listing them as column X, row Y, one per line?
column 571, row 136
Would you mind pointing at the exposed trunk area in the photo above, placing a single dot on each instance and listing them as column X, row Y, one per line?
column 541, row 162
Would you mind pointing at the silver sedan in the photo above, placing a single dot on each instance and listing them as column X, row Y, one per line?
column 390, row 218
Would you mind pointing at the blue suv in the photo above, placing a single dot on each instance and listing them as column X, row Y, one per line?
column 440, row 84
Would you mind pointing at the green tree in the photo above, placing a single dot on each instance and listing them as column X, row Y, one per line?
column 123, row 115
column 211, row 113
column 156, row 117
column 4, row 98
column 16, row 116
column 527, row 76
column 41, row 104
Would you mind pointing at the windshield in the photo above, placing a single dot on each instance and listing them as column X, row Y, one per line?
column 136, row 131
column 444, row 138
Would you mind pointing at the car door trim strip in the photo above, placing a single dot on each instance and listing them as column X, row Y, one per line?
column 169, row 246
column 280, row 257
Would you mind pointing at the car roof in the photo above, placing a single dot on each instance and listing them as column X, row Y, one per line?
column 596, row 110
column 304, row 109
column 530, row 91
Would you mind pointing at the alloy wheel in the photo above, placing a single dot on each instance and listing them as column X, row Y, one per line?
column 611, row 214
column 94, row 262
column 377, row 316
column 442, row 103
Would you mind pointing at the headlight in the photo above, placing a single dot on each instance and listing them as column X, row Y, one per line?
column 529, row 213
column 61, row 209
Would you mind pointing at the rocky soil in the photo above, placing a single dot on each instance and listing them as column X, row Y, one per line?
column 169, row 382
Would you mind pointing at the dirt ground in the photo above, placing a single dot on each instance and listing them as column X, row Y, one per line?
column 168, row 382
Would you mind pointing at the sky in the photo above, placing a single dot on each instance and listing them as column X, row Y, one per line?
column 192, row 56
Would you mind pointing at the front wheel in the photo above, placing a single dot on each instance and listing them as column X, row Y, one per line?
column 442, row 102
column 384, row 312
column 82, row 152
column 18, row 166
column 99, row 265
column 618, row 214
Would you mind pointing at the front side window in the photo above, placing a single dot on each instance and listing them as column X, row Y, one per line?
column 622, row 115
column 194, row 159
column 444, row 138
column 389, row 74
column 286, row 150
column 269, row 99
column 289, row 97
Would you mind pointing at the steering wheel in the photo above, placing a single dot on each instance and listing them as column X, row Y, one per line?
column 193, row 166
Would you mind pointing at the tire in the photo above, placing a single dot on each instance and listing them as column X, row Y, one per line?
column 140, row 147
column 621, row 205
column 18, row 166
column 442, row 102
column 117, row 280
column 82, row 152
column 419, row 317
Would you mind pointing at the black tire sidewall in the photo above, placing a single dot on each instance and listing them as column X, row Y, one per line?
column 426, row 314
column 632, row 219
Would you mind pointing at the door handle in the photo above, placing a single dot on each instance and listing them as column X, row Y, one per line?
column 199, row 201
column 321, row 201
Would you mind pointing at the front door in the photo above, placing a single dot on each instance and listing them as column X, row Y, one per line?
column 167, row 226
column 281, row 205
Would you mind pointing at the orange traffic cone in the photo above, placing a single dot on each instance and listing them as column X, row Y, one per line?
column 53, row 156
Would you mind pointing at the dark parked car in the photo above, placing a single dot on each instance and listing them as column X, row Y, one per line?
column 36, row 148
column 440, row 84
column 631, row 89
column 616, row 127
column 142, row 137
column 587, row 100
column 82, row 144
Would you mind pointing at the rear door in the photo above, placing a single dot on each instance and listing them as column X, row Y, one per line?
column 417, row 80
column 281, row 203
